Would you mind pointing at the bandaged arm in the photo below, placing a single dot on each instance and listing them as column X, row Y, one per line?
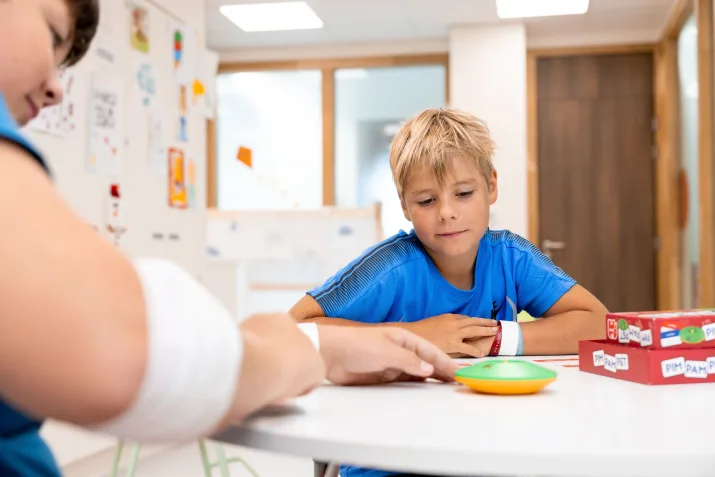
column 81, row 335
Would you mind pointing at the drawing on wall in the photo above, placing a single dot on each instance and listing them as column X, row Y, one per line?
column 183, row 114
column 245, row 155
column 116, row 224
column 140, row 29
column 177, row 179
column 104, row 42
column 68, row 120
column 204, row 99
column 105, row 129
column 178, row 48
column 147, row 83
column 199, row 90
column 191, row 183
column 157, row 147
column 184, row 54
column 59, row 120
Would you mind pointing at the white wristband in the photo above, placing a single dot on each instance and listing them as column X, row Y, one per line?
column 311, row 331
column 509, row 338
column 194, row 355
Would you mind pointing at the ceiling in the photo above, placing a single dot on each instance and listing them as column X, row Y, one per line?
column 362, row 21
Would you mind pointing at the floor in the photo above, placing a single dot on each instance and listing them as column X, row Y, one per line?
column 186, row 462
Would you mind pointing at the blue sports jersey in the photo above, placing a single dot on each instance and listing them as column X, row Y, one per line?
column 396, row 280
column 23, row 453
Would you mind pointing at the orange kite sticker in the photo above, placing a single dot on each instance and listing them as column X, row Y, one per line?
column 245, row 155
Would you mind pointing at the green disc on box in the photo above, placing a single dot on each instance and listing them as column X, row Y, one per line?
column 692, row 335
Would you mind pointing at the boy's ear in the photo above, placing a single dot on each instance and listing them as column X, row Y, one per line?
column 493, row 188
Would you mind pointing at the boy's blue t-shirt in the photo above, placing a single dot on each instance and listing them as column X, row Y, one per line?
column 396, row 280
column 23, row 453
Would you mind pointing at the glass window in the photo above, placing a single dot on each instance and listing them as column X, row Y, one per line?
column 370, row 106
column 278, row 116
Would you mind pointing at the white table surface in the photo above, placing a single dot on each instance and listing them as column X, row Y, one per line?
column 580, row 425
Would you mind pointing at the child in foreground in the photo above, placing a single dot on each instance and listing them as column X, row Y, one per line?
column 132, row 347
column 451, row 279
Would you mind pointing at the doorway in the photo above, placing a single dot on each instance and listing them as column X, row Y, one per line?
column 595, row 159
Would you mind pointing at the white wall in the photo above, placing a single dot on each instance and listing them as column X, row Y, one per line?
column 145, row 195
column 488, row 79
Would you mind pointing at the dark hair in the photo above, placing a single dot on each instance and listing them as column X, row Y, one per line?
column 85, row 14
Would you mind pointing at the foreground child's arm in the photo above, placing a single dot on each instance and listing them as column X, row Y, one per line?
column 75, row 317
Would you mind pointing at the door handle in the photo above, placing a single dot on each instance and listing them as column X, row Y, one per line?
column 548, row 245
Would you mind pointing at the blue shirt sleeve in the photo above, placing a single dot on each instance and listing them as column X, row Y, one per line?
column 10, row 131
column 539, row 283
column 358, row 292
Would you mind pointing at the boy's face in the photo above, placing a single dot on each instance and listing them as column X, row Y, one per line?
column 450, row 219
column 36, row 40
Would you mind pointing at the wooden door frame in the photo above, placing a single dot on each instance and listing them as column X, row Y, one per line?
column 706, row 150
column 327, row 67
column 669, row 148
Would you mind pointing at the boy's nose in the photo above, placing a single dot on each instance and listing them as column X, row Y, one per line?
column 447, row 211
column 53, row 91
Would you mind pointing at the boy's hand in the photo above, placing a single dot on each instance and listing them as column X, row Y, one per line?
column 452, row 333
column 483, row 345
column 373, row 355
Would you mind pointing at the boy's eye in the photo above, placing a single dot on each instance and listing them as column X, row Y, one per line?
column 57, row 40
column 465, row 193
column 425, row 202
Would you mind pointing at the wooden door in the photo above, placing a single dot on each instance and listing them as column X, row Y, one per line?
column 596, row 166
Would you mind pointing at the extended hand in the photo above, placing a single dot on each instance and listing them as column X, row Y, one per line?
column 372, row 355
column 452, row 333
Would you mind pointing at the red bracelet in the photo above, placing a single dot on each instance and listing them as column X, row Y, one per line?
column 496, row 345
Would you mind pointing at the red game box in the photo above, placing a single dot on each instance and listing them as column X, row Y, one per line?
column 688, row 329
column 647, row 366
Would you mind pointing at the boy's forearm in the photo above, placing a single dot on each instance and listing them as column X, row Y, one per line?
column 560, row 334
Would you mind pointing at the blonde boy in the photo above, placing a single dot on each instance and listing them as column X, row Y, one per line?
column 452, row 279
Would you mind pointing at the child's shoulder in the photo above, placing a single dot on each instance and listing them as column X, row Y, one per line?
column 508, row 240
column 393, row 252
column 395, row 255
column 511, row 250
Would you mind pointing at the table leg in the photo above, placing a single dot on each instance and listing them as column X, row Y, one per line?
column 319, row 469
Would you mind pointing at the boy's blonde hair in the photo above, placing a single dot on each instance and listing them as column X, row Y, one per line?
column 434, row 137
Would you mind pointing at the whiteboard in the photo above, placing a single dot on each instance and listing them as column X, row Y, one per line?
column 291, row 246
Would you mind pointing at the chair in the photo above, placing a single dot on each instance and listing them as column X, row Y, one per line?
column 221, row 462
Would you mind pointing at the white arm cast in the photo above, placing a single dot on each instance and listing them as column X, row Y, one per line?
column 194, row 359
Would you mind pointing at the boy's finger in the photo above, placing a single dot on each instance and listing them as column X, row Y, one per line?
column 476, row 322
column 425, row 352
column 477, row 332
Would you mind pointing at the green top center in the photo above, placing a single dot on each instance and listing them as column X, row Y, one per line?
column 506, row 370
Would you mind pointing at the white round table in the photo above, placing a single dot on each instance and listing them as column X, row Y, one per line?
column 580, row 425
